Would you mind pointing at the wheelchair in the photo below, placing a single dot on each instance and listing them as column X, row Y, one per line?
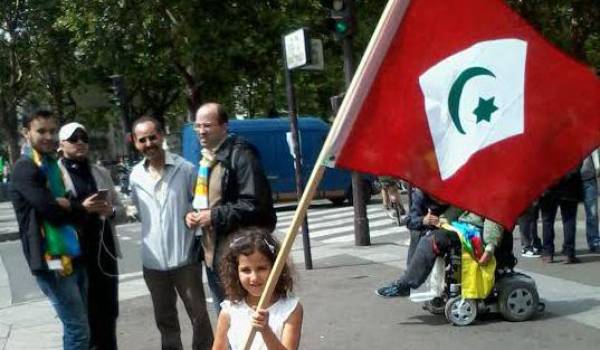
column 514, row 294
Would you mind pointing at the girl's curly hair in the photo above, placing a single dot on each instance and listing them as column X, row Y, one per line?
column 247, row 241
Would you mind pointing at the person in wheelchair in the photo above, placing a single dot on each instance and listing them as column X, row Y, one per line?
column 438, row 243
column 424, row 215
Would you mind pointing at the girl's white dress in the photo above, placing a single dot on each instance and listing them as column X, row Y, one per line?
column 240, row 317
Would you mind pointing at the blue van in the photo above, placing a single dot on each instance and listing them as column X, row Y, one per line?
column 269, row 136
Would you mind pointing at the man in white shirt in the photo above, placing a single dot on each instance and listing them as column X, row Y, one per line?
column 162, row 187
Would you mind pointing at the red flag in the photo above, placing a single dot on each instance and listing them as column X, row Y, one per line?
column 469, row 104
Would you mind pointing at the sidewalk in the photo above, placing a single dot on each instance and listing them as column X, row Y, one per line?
column 342, row 312
column 9, row 230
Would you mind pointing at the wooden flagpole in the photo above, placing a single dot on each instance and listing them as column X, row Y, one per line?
column 357, row 91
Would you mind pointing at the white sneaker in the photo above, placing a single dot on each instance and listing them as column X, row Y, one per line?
column 530, row 253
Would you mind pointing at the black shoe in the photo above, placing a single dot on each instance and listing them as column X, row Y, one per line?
column 394, row 289
column 571, row 260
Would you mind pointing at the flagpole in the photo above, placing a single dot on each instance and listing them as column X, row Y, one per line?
column 365, row 74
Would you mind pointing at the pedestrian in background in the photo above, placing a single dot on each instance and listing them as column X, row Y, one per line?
column 43, row 211
column 161, row 189
column 530, row 240
column 590, row 170
column 99, row 242
column 392, row 202
column 566, row 194
column 232, row 190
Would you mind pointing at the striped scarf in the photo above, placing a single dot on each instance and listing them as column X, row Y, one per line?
column 60, row 243
column 201, row 192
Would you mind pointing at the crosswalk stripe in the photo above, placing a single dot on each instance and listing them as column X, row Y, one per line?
column 324, row 214
column 333, row 220
column 316, row 211
column 328, row 211
column 372, row 234
column 348, row 228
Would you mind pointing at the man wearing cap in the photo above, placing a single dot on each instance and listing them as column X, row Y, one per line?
column 45, row 216
column 83, row 181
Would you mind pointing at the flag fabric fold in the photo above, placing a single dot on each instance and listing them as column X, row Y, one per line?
column 473, row 106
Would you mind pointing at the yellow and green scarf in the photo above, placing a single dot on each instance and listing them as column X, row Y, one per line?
column 60, row 243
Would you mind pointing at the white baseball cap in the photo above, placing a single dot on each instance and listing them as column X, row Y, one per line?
column 67, row 130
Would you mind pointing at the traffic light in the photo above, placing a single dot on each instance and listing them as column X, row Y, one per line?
column 340, row 20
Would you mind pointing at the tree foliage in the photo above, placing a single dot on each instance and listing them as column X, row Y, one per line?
column 176, row 54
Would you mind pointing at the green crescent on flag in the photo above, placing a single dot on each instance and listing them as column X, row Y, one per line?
column 473, row 99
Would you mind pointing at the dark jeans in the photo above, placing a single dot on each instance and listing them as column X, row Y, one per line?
column 216, row 288
column 68, row 294
column 103, row 294
column 528, row 229
column 415, row 237
column 424, row 257
column 164, row 287
column 568, row 212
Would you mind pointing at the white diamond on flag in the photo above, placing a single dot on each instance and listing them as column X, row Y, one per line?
column 473, row 99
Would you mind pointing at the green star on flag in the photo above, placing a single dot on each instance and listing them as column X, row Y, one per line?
column 485, row 109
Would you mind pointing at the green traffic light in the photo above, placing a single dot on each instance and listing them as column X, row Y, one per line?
column 341, row 27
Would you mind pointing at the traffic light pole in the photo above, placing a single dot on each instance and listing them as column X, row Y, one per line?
column 362, row 236
column 120, row 92
column 291, row 99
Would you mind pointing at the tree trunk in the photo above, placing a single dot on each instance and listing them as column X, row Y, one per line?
column 193, row 101
column 579, row 30
column 192, row 91
column 14, row 151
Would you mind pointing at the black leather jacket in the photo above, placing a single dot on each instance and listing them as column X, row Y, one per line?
column 246, row 198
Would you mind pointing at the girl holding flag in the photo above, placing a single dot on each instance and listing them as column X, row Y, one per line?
column 245, row 269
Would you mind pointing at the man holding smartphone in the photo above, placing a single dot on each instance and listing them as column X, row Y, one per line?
column 92, row 186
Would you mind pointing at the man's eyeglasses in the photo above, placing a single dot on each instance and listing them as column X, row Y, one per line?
column 150, row 138
column 78, row 137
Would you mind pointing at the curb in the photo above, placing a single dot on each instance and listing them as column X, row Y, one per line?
column 9, row 236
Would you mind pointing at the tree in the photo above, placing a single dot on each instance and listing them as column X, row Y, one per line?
column 16, row 67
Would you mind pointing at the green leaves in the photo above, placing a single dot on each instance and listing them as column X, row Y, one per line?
column 177, row 54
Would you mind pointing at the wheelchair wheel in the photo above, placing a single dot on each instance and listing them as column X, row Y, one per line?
column 518, row 301
column 461, row 312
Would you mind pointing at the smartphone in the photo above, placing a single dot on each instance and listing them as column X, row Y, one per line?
column 102, row 195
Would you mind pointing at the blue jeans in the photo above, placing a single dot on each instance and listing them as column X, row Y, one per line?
column 590, row 204
column 67, row 294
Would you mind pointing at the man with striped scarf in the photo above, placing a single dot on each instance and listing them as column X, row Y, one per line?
column 232, row 190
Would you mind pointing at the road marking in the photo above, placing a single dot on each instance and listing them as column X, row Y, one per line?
column 374, row 233
column 5, row 295
column 333, row 220
column 560, row 299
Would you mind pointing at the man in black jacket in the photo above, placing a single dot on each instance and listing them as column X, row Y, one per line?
column 62, row 279
column 98, row 235
column 237, row 192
